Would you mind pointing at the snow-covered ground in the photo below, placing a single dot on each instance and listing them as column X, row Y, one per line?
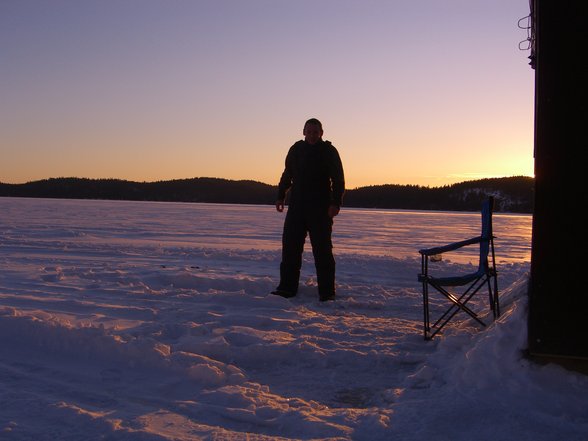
column 152, row 321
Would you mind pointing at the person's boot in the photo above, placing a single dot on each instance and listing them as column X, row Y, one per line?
column 325, row 297
column 288, row 286
column 326, row 283
column 283, row 293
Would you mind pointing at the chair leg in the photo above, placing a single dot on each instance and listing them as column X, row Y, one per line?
column 491, row 297
column 496, row 302
column 492, row 284
column 494, row 275
column 426, row 322
column 424, row 276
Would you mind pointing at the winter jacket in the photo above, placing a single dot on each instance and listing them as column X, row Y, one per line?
column 313, row 174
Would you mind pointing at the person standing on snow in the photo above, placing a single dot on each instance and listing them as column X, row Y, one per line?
column 314, row 177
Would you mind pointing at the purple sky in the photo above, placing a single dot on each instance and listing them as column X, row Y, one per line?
column 429, row 92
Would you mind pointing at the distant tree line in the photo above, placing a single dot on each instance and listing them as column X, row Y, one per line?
column 513, row 194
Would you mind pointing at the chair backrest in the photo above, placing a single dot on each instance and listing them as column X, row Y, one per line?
column 487, row 207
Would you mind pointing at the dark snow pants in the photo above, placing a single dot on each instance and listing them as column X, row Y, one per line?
column 316, row 222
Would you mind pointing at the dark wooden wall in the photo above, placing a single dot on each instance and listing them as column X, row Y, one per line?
column 558, row 290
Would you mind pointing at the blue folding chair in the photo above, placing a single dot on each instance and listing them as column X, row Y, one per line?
column 470, row 284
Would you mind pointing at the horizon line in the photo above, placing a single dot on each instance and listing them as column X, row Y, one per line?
column 253, row 180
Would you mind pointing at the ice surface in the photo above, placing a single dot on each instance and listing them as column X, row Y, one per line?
column 152, row 321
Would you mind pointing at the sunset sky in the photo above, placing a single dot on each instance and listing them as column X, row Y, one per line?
column 426, row 92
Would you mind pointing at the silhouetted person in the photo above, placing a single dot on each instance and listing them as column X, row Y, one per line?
column 314, row 177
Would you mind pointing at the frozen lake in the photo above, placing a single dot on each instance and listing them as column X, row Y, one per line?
column 394, row 233
column 143, row 321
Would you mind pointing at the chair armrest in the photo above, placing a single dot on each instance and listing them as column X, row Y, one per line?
column 450, row 247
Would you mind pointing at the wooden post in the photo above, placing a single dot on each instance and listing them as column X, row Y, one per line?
column 558, row 290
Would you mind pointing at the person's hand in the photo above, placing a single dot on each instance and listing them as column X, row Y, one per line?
column 280, row 205
column 333, row 210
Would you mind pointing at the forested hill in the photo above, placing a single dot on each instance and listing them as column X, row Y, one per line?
column 514, row 194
